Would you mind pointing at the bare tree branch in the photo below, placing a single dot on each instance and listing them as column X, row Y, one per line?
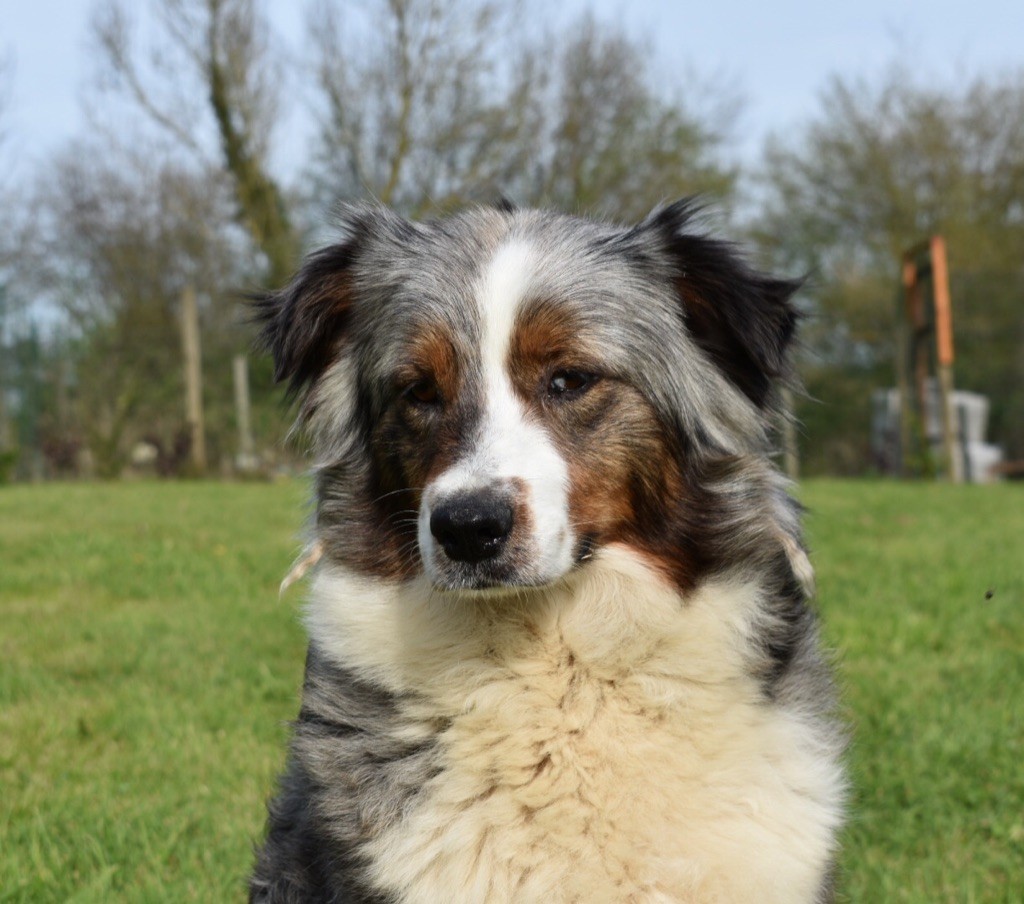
column 225, row 45
column 111, row 30
column 421, row 111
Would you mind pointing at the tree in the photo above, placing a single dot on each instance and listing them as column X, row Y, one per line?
column 209, row 88
column 605, row 138
column 414, row 109
column 7, row 255
column 222, row 48
column 119, row 240
column 880, row 168
column 453, row 101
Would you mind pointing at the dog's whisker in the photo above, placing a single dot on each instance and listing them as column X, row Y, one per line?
column 391, row 493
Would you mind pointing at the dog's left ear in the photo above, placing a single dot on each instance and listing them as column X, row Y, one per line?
column 302, row 324
column 743, row 320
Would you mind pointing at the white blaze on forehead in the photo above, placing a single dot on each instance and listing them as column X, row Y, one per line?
column 507, row 445
column 505, row 283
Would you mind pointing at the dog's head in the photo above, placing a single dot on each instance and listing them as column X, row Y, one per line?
column 494, row 396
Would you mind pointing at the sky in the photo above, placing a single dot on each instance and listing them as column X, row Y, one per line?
column 778, row 54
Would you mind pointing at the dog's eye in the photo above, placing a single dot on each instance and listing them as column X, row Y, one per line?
column 568, row 383
column 423, row 392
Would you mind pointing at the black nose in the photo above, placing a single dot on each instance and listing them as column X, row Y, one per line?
column 472, row 527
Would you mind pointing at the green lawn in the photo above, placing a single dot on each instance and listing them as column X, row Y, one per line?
column 147, row 670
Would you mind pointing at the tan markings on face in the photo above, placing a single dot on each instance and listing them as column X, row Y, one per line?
column 622, row 470
column 418, row 436
column 614, row 464
column 520, row 540
column 432, row 356
column 433, row 408
column 546, row 336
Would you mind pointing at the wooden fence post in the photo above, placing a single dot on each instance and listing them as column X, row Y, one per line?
column 246, row 460
column 193, row 378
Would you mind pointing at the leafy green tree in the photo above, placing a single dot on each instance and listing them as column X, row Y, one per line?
column 880, row 168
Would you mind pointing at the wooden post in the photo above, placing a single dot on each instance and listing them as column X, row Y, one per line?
column 903, row 354
column 193, row 378
column 944, row 349
column 246, row 460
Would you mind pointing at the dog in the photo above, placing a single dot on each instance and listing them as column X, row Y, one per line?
column 560, row 642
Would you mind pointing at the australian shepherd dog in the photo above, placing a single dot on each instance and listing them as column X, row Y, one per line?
column 560, row 642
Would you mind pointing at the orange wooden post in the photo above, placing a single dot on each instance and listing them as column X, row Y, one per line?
column 943, row 305
column 944, row 349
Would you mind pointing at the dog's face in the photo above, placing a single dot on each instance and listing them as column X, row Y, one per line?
column 494, row 396
column 532, row 438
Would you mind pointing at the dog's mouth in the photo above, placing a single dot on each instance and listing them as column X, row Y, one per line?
column 509, row 573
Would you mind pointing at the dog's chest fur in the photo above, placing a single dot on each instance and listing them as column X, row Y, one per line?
column 605, row 743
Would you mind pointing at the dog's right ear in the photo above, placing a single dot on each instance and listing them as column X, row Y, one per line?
column 303, row 324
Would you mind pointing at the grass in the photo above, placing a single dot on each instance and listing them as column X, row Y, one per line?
column 922, row 590
column 147, row 670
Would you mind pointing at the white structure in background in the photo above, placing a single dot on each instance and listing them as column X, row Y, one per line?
column 977, row 458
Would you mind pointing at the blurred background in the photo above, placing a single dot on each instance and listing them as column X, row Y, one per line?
column 160, row 159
